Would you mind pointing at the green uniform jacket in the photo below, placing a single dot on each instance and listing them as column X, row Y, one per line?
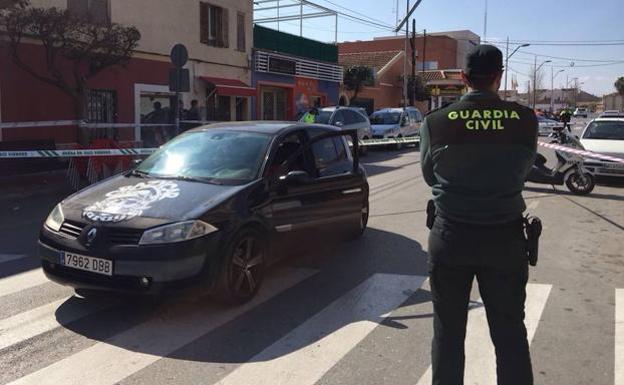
column 476, row 154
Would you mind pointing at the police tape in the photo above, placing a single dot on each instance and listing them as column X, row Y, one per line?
column 148, row 151
column 585, row 153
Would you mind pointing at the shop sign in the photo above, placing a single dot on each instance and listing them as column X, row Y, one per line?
column 282, row 66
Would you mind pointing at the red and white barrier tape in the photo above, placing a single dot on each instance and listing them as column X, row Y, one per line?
column 585, row 153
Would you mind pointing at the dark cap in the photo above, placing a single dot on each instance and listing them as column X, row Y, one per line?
column 483, row 60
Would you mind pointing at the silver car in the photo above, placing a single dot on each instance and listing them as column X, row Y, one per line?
column 348, row 118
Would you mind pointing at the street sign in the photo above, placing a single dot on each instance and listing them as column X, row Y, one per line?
column 179, row 55
column 179, row 80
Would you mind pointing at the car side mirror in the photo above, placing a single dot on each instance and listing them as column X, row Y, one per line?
column 339, row 124
column 296, row 177
column 136, row 162
column 404, row 122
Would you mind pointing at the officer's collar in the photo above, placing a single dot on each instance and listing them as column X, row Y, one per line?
column 480, row 95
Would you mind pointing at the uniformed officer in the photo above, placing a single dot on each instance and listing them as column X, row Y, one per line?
column 475, row 154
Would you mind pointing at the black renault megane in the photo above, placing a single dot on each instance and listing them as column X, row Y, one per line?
column 212, row 206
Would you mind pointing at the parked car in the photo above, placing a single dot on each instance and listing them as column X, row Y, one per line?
column 580, row 113
column 612, row 114
column 211, row 206
column 605, row 136
column 347, row 118
column 548, row 126
column 396, row 123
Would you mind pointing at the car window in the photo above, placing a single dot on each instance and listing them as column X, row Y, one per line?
column 415, row 116
column 331, row 157
column 385, row 118
column 613, row 130
column 338, row 117
column 323, row 117
column 351, row 117
column 286, row 148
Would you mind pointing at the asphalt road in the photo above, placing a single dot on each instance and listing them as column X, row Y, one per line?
column 346, row 313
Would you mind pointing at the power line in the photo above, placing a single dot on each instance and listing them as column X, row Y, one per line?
column 564, row 58
column 380, row 22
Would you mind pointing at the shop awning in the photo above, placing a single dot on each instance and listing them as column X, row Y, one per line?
column 230, row 87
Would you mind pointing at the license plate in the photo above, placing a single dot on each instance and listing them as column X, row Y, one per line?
column 82, row 262
column 615, row 166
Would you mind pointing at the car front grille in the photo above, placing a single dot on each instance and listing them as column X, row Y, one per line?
column 116, row 236
column 71, row 229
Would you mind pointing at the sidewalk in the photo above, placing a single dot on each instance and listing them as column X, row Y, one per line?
column 33, row 184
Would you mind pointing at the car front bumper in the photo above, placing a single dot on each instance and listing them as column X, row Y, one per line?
column 605, row 168
column 136, row 269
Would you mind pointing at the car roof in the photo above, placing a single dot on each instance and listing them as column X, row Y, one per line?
column 274, row 128
column 609, row 118
column 390, row 109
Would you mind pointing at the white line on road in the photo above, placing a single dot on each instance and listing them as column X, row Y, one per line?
column 23, row 326
column 124, row 354
column 11, row 257
column 304, row 355
column 18, row 282
column 480, row 356
column 619, row 337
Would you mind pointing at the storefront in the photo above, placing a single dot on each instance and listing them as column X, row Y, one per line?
column 444, row 86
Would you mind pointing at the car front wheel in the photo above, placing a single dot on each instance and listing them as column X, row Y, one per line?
column 242, row 268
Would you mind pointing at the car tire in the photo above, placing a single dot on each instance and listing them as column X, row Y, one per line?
column 242, row 268
column 357, row 229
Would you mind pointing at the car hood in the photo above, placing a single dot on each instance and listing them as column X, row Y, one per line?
column 605, row 146
column 384, row 127
column 144, row 202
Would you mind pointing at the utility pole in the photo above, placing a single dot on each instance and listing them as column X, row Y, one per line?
column 413, row 43
column 397, row 16
column 485, row 22
column 424, row 53
column 405, row 59
column 507, row 56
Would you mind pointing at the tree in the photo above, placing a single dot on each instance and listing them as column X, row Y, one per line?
column 75, row 49
column 619, row 86
column 355, row 78
column 417, row 89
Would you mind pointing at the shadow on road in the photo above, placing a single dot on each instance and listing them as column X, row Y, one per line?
column 342, row 267
column 561, row 191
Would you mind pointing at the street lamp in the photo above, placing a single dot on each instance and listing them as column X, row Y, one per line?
column 535, row 79
column 507, row 63
column 552, row 86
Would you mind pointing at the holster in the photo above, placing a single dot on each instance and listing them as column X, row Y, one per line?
column 533, row 231
column 431, row 213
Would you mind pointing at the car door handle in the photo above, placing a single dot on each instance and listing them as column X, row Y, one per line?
column 352, row 191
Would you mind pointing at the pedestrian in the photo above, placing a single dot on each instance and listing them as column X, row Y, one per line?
column 565, row 116
column 193, row 112
column 475, row 154
column 310, row 116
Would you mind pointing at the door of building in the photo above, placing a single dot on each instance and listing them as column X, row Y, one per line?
column 273, row 104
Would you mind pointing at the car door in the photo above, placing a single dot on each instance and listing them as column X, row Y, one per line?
column 356, row 121
column 416, row 122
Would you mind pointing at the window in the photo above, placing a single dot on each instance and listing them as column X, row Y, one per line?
column 241, row 43
column 96, row 11
column 214, row 25
column 331, row 157
column 415, row 116
column 101, row 106
column 350, row 117
column 338, row 118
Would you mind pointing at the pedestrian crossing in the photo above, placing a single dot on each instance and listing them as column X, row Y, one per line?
column 22, row 281
column 302, row 355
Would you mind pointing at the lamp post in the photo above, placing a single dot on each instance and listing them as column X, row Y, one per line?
column 552, row 86
column 536, row 70
column 507, row 56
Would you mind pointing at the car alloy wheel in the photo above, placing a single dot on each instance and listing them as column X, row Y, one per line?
column 243, row 268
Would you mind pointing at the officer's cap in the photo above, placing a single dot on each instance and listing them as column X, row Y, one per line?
column 483, row 60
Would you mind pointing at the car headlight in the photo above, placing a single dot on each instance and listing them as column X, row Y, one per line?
column 176, row 232
column 55, row 219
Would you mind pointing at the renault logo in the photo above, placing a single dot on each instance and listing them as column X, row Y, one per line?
column 91, row 236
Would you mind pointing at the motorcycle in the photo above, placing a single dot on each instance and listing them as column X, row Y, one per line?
column 569, row 169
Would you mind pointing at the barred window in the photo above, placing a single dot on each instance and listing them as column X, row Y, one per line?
column 214, row 25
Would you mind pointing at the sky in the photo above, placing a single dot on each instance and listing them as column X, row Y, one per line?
column 587, row 23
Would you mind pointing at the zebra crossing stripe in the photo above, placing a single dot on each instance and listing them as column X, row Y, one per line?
column 341, row 325
column 22, row 281
column 23, row 326
column 619, row 337
column 480, row 357
column 109, row 362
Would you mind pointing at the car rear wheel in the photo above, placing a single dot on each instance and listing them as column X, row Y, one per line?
column 362, row 148
column 242, row 269
column 357, row 229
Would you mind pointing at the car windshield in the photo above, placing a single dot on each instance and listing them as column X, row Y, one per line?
column 605, row 130
column 211, row 156
column 385, row 118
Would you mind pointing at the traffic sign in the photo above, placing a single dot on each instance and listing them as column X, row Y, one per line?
column 179, row 55
column 179, row 80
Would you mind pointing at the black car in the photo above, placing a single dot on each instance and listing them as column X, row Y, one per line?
column 212, row 206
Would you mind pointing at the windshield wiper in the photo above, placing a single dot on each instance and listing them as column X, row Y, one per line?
column 191, row 179
column 139, row 173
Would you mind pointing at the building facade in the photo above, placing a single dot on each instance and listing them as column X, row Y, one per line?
column 439, row 59
column 217, row 34
column 292, row 74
